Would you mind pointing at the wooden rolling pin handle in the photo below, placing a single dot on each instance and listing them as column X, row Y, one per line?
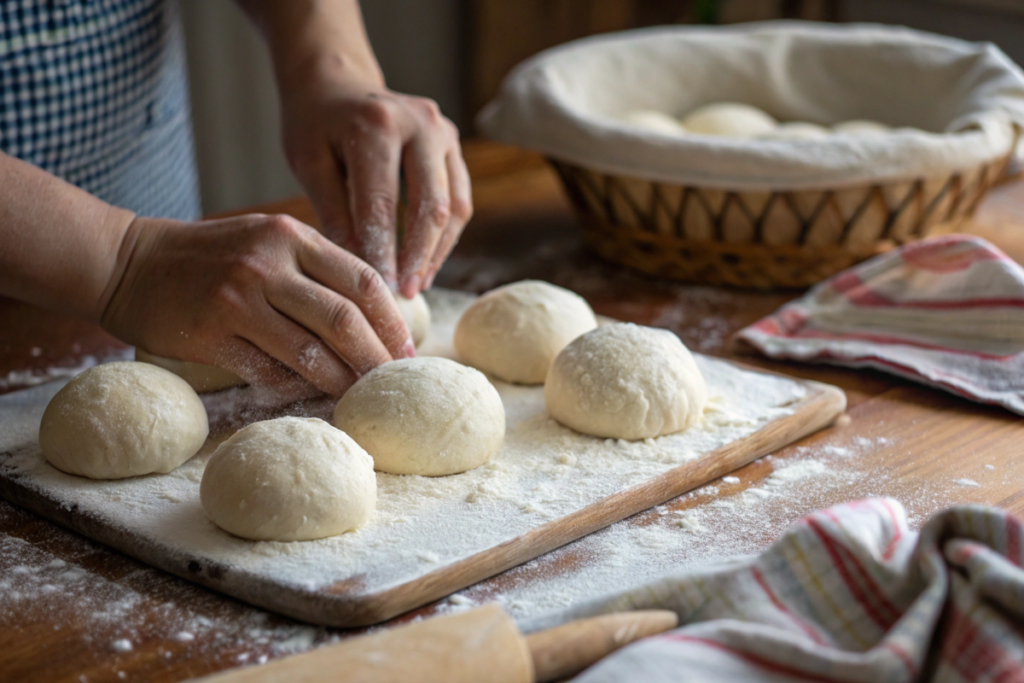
column 566, row 650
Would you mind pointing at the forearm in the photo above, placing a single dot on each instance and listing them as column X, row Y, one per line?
column 58, row 244
column 315, row 37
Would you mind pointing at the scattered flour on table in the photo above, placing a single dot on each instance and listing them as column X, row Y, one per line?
column 543, row 472
column 699, row 529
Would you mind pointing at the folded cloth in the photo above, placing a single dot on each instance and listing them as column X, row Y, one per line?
column 946, row 311
column 846, row 594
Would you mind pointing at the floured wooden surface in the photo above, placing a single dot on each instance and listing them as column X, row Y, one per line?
column 542, row 473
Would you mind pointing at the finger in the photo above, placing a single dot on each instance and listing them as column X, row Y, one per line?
column 258, row 369
column 299, row 350
column 461, row 210
column 429, row 210
column 328, row 191
column 346, row 275
column 336, row 320
column 372, row 163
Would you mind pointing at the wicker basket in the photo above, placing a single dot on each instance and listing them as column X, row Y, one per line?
column 764, row 239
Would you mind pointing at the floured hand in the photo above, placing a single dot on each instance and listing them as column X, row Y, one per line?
column 348, row 140
column 266, row 297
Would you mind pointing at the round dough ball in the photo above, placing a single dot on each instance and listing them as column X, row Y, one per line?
column 729, row 119
column 289, row 479
column 514, row 332
column 797, row 130
column 428, row 416
column 654, row 121
column 121, row 420
column 202, row 378
column 416, row 314
column 626, row 381
column 861, row 128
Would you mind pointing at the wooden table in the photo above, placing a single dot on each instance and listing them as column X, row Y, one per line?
column 70, row 609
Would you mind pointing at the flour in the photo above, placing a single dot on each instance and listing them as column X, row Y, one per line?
column 543, row 472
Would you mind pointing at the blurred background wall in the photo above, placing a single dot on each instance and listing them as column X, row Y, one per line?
column 457, row 52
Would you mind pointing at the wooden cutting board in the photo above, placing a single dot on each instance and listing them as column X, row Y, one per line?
column 390, row 566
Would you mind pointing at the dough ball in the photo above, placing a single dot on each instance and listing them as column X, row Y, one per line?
column 425, row 415
column 654, row 121
column 861, row 128
column 289, row 479
column 729, row 119
column 514, row 332
column 202, row 378
column 626, row 381
column 797, row 130
column 416, row 313
column 121, row 420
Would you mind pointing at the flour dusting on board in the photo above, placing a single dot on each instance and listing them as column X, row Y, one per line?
column 543, row 472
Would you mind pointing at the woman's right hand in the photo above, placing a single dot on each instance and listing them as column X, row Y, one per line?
column 266, row 297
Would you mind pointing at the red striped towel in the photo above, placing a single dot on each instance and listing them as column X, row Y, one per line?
column 848, row 594
column 946, row 311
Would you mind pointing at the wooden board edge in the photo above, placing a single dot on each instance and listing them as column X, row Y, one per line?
column 340, row 606
column 815, row 412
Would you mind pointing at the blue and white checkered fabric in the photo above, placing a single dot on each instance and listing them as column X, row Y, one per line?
column 96, row 92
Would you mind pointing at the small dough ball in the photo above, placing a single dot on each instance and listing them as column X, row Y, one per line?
column 861, row 128
column 654, row 121
column 416, row 314
column 202, row 378
column 729, row 119
column 514, row 332
column 289, row 479
column 122, row 420
column 626, row 381
column 797, row 130
column 428, row 416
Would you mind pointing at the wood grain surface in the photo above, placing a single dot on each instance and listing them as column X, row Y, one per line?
column 922, row 442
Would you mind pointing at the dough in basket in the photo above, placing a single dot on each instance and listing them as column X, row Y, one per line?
column 657, row 121
column 729, row 119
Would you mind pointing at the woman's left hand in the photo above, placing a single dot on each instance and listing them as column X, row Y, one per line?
column 349, row 140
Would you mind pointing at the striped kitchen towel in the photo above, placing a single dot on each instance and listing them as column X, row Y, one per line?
column 946, row 311
column 846, row 594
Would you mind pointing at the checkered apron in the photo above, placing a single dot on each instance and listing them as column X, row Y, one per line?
column 96, row 92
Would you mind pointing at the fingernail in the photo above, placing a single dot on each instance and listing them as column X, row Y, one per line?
column 430, row 280
column 410, row 285
column 409, row 349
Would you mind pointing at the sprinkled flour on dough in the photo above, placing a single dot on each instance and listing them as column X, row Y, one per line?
column 543, row 472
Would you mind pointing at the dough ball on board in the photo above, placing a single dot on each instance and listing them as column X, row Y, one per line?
column 122, row 420
column 515, row 331
column 861, row 128
column 626, row 381
column 202, row 378
column 729, row 119
column 797, row 130
column 416, row 313
column 289, row 479
column 428, row 416
column 654, row 121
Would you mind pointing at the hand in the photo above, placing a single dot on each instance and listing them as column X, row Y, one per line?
column 347, row 137
column 266, row 297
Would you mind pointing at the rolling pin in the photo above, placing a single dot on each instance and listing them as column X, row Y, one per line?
column 483, row 644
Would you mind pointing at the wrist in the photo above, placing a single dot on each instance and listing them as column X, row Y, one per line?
column 117, row 272
column 328, row 65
